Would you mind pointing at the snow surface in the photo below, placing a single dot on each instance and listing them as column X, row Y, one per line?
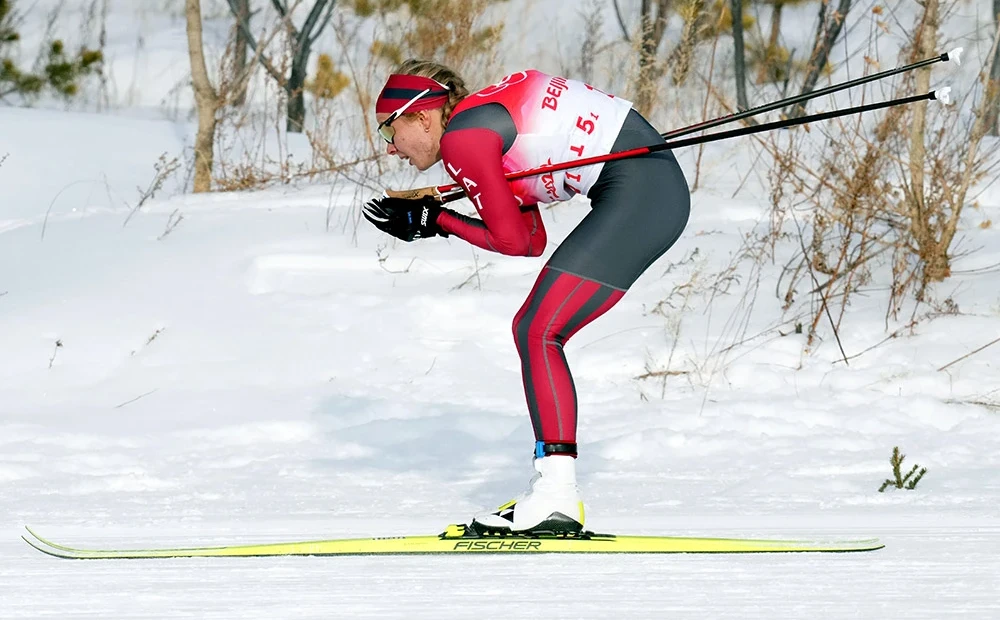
column 270, row 370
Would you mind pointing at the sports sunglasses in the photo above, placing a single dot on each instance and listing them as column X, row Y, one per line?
column 385, row 127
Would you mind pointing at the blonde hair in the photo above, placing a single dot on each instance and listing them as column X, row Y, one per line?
column 441, row 74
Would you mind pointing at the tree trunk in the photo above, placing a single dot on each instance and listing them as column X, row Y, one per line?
column 296, row 97
column 993, row 86
column 205, row 98
column 776, row 8
column 923, row 47
column 826, row 36
column 736, row 8
column 934, row 254
column 301, row 44
column 240, row 47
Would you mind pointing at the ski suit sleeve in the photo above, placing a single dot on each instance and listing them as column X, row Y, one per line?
column 473, row 157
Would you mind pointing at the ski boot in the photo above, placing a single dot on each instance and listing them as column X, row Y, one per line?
column 550, row 506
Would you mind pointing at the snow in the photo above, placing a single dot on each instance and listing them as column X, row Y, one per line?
column 269, row 369
column 918, row 577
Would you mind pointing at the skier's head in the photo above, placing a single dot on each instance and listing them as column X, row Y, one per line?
column 414, row 107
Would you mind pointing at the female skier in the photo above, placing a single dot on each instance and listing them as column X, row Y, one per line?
column 639, row 207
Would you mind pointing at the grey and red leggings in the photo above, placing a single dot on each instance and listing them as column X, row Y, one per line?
column 640, row 206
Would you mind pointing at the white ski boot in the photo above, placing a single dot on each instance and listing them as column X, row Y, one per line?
column 552, row 504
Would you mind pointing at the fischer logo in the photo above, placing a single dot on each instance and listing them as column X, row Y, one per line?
column 497, row 545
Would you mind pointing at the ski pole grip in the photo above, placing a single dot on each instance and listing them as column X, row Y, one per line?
column 414, row 194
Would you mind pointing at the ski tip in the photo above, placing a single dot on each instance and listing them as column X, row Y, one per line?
column 870, row 544
column 38, row 537
column 39, row 547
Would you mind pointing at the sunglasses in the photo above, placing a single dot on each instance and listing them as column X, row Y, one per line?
column 385, row 127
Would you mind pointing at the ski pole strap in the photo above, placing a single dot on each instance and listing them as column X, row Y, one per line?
column 543, row 449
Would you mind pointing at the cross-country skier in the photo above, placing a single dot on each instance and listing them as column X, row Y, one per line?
column 639, row 207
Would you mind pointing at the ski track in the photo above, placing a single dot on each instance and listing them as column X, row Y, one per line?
column 932, row 572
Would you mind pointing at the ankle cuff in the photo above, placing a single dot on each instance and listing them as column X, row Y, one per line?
column 543, row 449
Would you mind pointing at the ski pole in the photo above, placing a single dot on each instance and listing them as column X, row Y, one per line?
column 955, row 54
column 449, row 193
column 943, row 96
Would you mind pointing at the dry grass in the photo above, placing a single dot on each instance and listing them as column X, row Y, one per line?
column 164, row 169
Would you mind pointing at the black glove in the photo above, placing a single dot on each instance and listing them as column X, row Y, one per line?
column 404, row 218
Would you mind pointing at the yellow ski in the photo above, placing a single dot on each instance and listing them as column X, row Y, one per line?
column 459, row 539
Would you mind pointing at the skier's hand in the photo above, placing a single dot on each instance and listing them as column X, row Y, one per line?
column 404, row 218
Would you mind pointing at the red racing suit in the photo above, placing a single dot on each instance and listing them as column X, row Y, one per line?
column 529, row 119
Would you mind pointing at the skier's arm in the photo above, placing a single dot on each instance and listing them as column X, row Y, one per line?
column 473, row 158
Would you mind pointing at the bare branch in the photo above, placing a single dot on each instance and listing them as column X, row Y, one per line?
column 969, row 354
column 826, row 306
column 243, row 22
column 821, row 50
column 128, row 402
column 322, row 26
column 621, row 22
column 282, row 9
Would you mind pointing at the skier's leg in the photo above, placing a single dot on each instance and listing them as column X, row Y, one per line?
column 560, row 304
column 640, row 207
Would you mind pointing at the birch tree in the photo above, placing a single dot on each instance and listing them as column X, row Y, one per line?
column 208, row 98
column 205, row 97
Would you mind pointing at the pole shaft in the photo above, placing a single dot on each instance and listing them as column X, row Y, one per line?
column 775, row 105
column 722, row 120
column 645, row 150
column 791, row 122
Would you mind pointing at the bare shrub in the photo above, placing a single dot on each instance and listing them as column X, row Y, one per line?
column 701, row 287
column 164, row 168
column 879, row 200
column 653, row 20
column 591, row 44
column 252, row 145
column 770, row 58
column 457, row 33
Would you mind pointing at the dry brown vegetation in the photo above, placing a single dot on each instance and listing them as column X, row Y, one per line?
column 864, row 201
column 880, row 197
